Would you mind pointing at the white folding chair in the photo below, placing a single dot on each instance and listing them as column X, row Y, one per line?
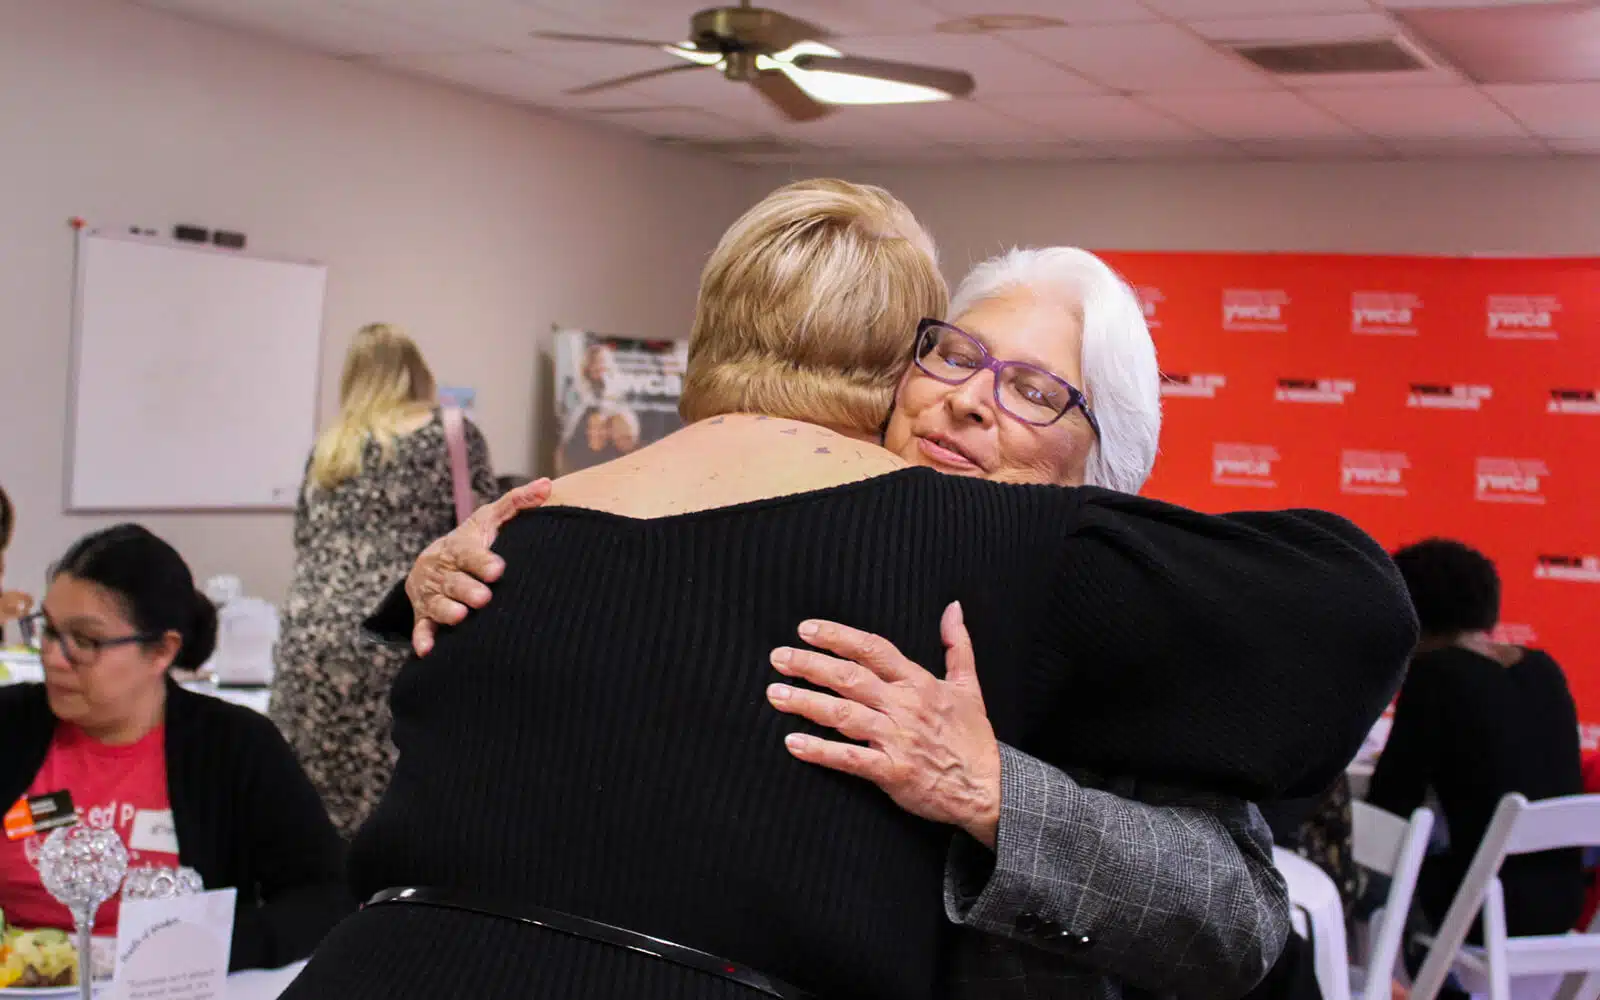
column 1312, row 893
column 1389, row 845
column 1517, row 828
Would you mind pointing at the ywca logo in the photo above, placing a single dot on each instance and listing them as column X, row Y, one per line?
column 1192, row 386
column 1523, row 317
column 1386, row 314
column 1149, row 298
column 1313, row 390
column 1428, row 396
column 1243, row 464
column 1584, row 401
column 1373, row 473
column 1249, row 310
column 1572, row 569
column 1510, row 480
column 1514, row 634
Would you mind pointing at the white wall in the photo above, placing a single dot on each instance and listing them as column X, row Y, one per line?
column 1513, row 206
column 474, row 224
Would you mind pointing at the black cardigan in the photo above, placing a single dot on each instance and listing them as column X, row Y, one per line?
column 246, row 816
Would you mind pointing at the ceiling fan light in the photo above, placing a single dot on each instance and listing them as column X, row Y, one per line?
column 687, row 50
column 847, row 88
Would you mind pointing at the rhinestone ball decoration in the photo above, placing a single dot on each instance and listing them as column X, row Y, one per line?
column 151, row 882
column 82, row 868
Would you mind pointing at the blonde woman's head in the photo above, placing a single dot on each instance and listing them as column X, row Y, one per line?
column 809, row 305
column 385, row 386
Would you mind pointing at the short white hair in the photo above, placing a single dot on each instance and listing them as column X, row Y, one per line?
column 1120, row 374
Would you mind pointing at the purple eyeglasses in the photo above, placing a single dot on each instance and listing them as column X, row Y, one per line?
column 1029, row 394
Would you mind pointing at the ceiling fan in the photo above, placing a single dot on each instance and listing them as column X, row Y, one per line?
column 785, row 60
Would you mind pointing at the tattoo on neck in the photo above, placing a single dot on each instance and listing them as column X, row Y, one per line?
column 822, row 451
column 790, row 430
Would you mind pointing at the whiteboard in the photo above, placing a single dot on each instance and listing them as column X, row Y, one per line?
column 194, row 376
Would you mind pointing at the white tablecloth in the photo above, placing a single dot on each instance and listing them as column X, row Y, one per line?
column 262, row 984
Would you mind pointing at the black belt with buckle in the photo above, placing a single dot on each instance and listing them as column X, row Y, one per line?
column 593, row 930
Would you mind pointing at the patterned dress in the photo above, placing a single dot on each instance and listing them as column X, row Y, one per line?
column 330, row 695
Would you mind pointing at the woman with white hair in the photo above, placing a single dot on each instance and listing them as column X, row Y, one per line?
column 1064, row 885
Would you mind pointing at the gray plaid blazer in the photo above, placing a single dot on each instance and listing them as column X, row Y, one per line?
column 1107, row 889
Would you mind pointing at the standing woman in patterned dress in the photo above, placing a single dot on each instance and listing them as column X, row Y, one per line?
column 378, row 489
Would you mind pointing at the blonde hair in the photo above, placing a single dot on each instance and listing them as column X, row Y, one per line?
column 809, row 305
column 385, row 384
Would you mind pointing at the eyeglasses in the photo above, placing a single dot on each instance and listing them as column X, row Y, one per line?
column 1025, row 392
column 79, row 649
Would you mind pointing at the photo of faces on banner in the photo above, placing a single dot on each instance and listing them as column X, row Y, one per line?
column 614, row 395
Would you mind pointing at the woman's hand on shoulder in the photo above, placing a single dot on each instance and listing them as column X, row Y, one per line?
column 450, row 577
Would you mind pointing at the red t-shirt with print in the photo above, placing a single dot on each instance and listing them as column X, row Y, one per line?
column 117, row 787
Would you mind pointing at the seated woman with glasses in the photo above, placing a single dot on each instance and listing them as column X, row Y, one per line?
column 183, row 778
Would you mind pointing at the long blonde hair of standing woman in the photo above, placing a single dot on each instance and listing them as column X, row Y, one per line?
column 385, row 388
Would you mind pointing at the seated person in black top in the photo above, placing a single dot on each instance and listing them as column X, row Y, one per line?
column 1476, row 720
column 184, row 778
column 1042, row 861
column 594, row 751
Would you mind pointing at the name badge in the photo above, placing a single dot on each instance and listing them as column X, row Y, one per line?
column 39, row 814
column 153, row 830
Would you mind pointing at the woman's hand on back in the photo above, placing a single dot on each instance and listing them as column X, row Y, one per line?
column 451, row 576
column 929, row 743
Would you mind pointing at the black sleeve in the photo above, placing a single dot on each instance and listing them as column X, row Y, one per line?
column 295, row 855
column 391, row 621
column 1247, row 654
column 1405, row 768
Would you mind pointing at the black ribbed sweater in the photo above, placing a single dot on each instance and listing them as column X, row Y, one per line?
column 597, row 740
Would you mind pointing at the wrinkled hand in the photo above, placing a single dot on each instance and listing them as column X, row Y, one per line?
column 14, row 604
column 929, row 743
column 450, row 576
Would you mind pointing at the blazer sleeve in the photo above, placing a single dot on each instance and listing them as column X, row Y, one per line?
column 390, row 622
column 295, row 856
column 1168, row 893
column 1245, row 654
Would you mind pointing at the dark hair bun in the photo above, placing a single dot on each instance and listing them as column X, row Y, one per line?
column 200, row 638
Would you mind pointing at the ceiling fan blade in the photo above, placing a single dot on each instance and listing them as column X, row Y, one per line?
column 623, row 81
column 785, row 95
column 952, row 81
column 566, row 36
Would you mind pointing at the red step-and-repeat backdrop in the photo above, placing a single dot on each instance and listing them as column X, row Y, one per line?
column 1418, row 396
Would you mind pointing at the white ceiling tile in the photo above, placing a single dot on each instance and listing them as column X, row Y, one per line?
column 966, row 121
column 1575, row 147
column 1272, row 114
column 489, row 72
column 866, row 126
column 999, row 69
column 1143, row 58
column 1442, row 76
column 1208, row 149
column 1049, row 152
column 1302, row 28
column 321, row 26
column 1069, row 11
column 1553, row 110
column 1316, row 149
column 1094, row 119
column 500, row 24
column 668, row 22
column 1430, row 149
column 1419, row 113
column 1431, row 4
column 1195, row 10
column 683, row 123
